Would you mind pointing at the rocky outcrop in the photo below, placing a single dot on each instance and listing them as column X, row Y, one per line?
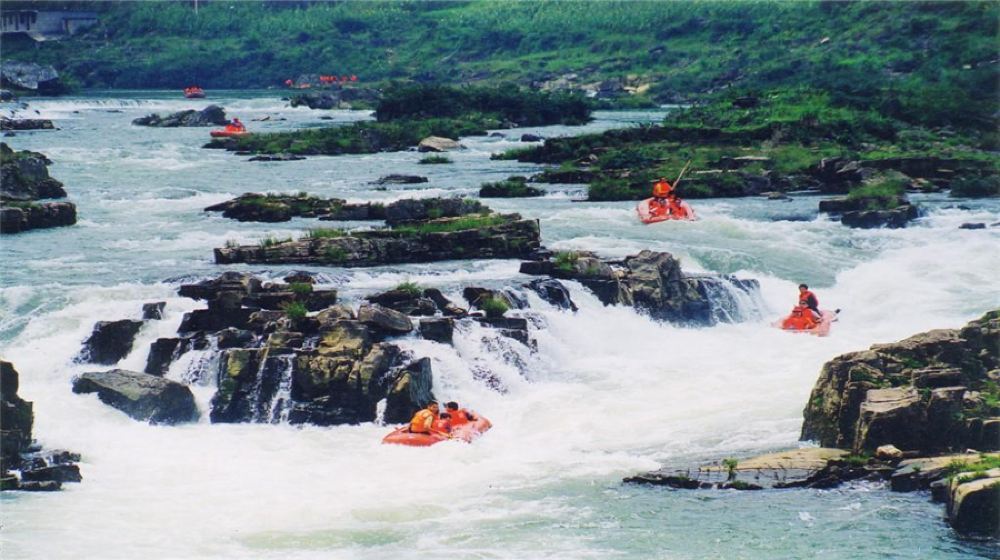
column 110, row 341
column 142, row 396
column 871, row 213
column 492, row 236
column 16, row 418
column 552, row 291
column 256, row 207
column 931, row 393
column 24, row 179
column 25, row 124
column 438, row 144
column 974, row 503
column 40, row 470
column 653, row 283
column 213, row 115
column 325, row 100
column 30, row 76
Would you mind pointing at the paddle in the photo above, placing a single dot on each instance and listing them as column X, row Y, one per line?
column 681, row 174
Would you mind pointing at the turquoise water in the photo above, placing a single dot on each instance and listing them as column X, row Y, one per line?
column 597, row 402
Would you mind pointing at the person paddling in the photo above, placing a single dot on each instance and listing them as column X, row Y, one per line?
column 800, row 319
column 808, row 299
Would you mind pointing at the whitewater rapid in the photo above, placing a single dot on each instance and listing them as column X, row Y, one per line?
column 608, row 393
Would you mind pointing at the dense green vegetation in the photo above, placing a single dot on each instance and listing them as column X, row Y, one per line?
column 738, row 142
column 912, row 57
column 434, row 160
column 474, row 221
column 516, row 186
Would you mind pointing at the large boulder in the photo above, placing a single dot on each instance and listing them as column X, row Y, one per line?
column 410, row 389
column 213, row 115
column 325, row 100
column 438, row 144
column 24, row 176
column 931, row 393
column 974, row 503
column 552, row 291
column 16, row 219
column 30, row 76
column 384, row 320
column 110, row 342
column 142, row 396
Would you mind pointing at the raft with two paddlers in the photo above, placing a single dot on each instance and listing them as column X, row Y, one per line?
column 194, row 92
column 463, row 432
column 799, row 322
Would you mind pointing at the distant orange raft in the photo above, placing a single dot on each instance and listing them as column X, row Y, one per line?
column 649, row 214
column 465, row 432
column 821, row 328
column 228, row 133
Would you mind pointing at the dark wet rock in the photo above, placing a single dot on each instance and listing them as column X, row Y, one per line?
column 439, row 329
column 26, row 124
column 17, row 219
column 511, row 238
column 921, row 394
column 257, row 207
column 162, row 352
column 515, row 328
column 43, row 486
column 409, row 391
column 277, row 157
column 58, row 473
column 531, row 138
column 445, row 305
column 325, row 100
column 514, row 187
column 30, row 76
column 213, row 115
column 300, row 277
column 16, row 418
column 553, row 292
column 397, row 179
column 25, row 176
column 746, row 102
column 110, row 342
column 153, row 311
column 977, row 225
column 142, row 396
column 384, row 320
column 233, row 338
column 856, row 213
column 408, row 302
column 564, row 176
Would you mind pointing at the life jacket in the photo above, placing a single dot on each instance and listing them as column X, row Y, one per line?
column 678, row 209
column 459, row 417
column 422, row 421
column 809, row 298
column 442, row 425
column 801, row 319
column 658, row 207
column 661, row 189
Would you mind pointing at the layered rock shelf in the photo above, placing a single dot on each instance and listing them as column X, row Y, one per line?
column 213, row 115
column 24, row 180
column 931, row 393
column 489, row 236
column 256, row 207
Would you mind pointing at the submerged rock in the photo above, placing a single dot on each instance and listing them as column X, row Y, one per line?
column 25, row 124
column 142, row 396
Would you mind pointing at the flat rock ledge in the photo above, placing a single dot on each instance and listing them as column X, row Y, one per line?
column 965, row 482
column 496, row 237
column 142, row 396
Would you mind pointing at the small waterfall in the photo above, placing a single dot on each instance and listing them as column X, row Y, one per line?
column 731, row 300
column 281, row 402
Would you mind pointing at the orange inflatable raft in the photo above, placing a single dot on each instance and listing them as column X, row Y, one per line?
column 650, row 215
column 822, row 328
column 464, row 432
column 228, row 133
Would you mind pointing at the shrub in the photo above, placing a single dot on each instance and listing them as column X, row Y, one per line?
column 976, row 187
column 566, row 260
column 730, row 465
column 457, row 224
column 296, row 310
column 300, row 288
column 494, row 307
column 271, row 241
column 410, row 288
column 880, row 194
column 514, row 187
column 432, row 160
column 324, row 233
column 335, row 254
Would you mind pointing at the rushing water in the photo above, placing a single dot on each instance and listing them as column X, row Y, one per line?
column 609, row 392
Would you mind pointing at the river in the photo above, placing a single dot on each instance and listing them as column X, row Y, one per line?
column 609, row 393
